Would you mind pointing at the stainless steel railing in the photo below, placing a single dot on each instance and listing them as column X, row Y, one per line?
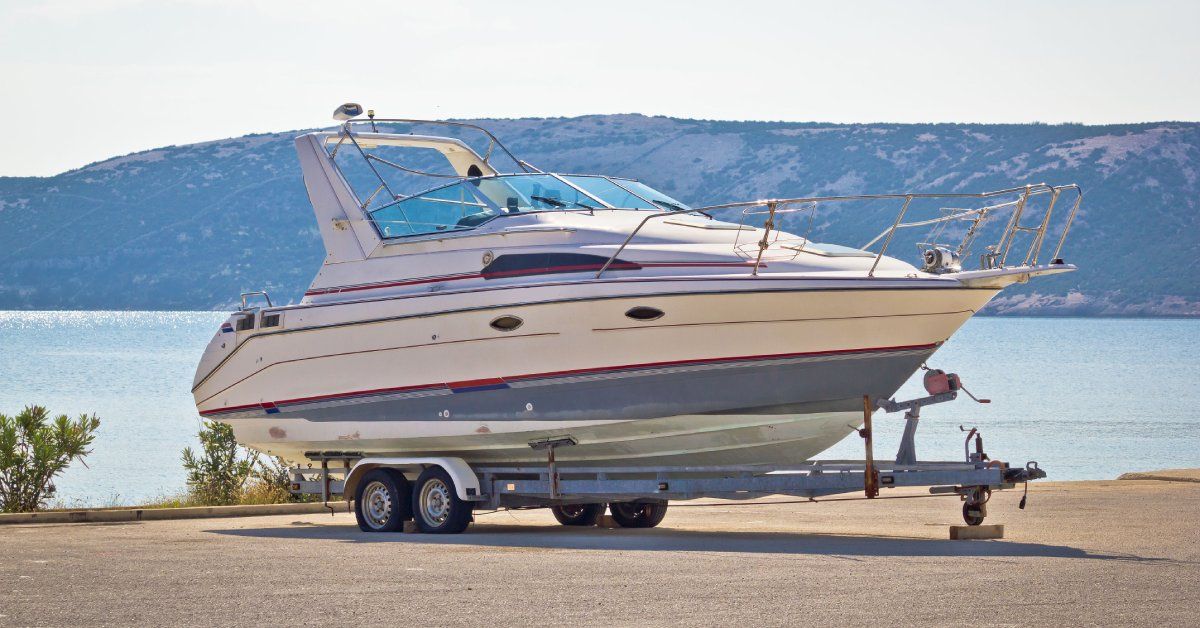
column 996, row 257
column 256, row 293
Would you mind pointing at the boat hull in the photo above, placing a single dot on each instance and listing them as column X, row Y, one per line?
column 722, row 378
column 785, row 408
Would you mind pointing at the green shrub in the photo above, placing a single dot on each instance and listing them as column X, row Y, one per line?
column 271, row 483
column 227, row 474
column 217, row 477
column 34, row 450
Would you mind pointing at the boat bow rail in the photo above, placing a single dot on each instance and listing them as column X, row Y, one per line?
column 964, row 225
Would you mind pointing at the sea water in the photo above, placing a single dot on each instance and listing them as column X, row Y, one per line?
column 1086, row 398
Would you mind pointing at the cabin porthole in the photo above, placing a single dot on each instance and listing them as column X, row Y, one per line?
column 506, row 323
column 645, row 313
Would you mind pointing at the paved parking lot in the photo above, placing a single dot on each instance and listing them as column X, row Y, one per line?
column 1082, row 553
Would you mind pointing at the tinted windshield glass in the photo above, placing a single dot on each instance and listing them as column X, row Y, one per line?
column 651, row 194
column 533, row 192
column 610, row 192
column 445, row 209
column 472, row 202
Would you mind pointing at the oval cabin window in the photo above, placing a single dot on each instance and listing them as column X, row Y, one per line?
column 506, row 323
column 643, row 313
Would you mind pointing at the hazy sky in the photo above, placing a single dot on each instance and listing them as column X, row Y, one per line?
column 83, row 80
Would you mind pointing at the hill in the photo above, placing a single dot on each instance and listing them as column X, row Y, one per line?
column 189, row 227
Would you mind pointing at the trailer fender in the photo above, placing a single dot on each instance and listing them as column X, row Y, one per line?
column 466, row 483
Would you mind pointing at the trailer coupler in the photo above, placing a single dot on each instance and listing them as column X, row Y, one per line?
column 1030, row 472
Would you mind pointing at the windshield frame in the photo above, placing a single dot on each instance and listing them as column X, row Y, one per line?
column 485, row 201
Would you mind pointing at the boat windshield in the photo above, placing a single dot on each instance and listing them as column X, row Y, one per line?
column 471, row 202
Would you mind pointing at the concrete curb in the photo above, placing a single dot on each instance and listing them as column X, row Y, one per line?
column 1155, row 476
column 1165, row 475
column 159, row 514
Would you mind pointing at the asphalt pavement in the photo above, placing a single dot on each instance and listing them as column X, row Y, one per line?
column 1113, row 553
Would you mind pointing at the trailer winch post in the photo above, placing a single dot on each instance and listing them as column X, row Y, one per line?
column 870, row 477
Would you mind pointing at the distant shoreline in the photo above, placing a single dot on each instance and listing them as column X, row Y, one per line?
column 183, row 227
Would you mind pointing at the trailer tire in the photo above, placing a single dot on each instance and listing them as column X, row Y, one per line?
column 381, row 501
column 638, row 514
column 581, row 515
column 436, row 507
column 973, row 514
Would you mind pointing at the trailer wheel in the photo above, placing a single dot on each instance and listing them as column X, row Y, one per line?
column 578, row 514
column 973, row 514
column 638, row 515
column 436, row 506
column 381, row 502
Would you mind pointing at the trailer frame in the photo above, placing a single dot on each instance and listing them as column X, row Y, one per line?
column 555, row 483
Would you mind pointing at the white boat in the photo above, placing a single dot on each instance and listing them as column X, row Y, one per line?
column 495, row 310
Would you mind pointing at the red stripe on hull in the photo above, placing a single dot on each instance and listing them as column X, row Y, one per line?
column 474, row 383
column 552, row 374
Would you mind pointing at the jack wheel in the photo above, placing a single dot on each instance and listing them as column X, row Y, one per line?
column 381, row 501
column 436, row 506
column 973, row 514
column 578, row 514
column 638, row 515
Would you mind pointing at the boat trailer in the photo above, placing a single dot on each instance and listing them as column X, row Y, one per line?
column 570, row 488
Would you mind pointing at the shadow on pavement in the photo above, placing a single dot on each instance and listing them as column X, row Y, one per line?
column 668, row 540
